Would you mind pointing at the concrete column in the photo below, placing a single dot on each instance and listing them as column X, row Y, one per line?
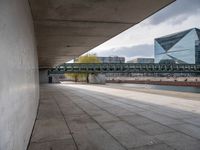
column 43, row 76
column 55, row 78
column 46, row 78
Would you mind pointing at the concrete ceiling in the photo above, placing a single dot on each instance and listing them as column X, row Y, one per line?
column 68, row 28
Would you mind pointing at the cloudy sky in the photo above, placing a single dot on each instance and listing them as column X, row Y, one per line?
column 138, row 41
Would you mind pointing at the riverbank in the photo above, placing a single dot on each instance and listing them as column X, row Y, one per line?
column 172, row 81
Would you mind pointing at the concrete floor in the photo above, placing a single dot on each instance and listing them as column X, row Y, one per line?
column 99, row 117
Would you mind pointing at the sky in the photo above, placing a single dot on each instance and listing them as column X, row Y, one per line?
column 138, row 41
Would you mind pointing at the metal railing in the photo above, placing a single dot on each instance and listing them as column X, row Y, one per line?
column 124, row 68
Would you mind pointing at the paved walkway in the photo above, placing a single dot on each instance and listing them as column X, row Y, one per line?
column 91, row 117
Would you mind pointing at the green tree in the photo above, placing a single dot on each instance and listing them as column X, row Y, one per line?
column 88, row 58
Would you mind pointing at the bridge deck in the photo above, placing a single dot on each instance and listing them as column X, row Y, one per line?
column 90, row 117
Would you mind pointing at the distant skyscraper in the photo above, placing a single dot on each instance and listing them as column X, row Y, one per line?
column 180, row 48
column 141, row 60
column 112, row 59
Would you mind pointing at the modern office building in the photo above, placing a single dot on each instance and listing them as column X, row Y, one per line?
column 179, row 48
column 112, row 59
column 141, row 60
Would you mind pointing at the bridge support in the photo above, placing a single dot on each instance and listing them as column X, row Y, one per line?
column 97, row 78
column 55, row 78
column 43, row 76
column 46, row 78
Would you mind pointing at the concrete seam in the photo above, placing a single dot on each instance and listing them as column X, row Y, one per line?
column 156, row 121
column 97, row 123
column 85, row 21
column 160, row 142
column 66, row 124
column 33, row 125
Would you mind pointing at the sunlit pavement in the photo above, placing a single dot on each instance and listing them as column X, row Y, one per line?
column 99, row 117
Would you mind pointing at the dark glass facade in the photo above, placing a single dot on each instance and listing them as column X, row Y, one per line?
column 180, row 48
column 197, row 54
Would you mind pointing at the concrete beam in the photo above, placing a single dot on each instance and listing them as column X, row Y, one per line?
column 84, row 24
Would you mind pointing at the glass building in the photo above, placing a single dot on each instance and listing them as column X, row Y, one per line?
column 179, row 48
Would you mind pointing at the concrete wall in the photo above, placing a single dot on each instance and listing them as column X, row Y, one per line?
column 19, row 88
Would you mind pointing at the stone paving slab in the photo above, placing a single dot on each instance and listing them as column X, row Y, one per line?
column 160, row 118
column 176, row 114
column 128, row 135
column 81, row 123
column 179, row 141
column 48, row 111
column 154, row 128
column 96, row 139
column 194, row 121
column 65, row 144
column 103, row 116
column 50, row 129
column 118, row 111
column 189, row 129
column 137, row 120
column 117, row 102
column 71, row 110
column 154, row 147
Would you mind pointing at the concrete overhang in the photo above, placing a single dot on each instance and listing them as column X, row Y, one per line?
column 68, row 28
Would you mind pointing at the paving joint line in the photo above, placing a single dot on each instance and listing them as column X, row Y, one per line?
column 159, row 141
column 148, row 118
column 76, row 145
column 98, row 123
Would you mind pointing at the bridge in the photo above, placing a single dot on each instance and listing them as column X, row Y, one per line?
column 124, row 68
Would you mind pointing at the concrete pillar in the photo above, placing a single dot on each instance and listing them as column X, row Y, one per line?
column 46, row 78
column 55, row 78
column 97, row 78
column 43, row 76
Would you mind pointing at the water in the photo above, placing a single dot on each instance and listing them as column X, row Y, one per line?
column 164, row 87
